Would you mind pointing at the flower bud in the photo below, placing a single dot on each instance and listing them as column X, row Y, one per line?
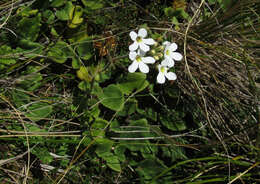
column 156, row 58
column 153, row 51
column 160, row 55
column 161, row 48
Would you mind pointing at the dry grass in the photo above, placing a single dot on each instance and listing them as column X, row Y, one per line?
column 222, row 69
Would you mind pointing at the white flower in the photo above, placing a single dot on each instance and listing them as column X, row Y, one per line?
column 140, row 62
column 163, row 73
column 140, row 41
column 170, row 55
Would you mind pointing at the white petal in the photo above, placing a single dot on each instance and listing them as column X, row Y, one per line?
column 133, row 46
column 165, row 62
column 140, row 52
column 160, row 78
column 149, row 59
column 166, row 43
column 133, row 67
column 149, row 41
column 144, row 47
column 171, row 76
column 133, row 35
column 167, row 57
column 132, row 55
column 176, row 56
column 170, row 63
column 143, row 67
column 173, row 47
column 142, row 32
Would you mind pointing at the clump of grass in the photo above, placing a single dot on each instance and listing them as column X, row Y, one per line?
column 221, row 68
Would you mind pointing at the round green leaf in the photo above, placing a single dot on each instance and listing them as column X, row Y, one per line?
column 133, row 81
column 112, row 98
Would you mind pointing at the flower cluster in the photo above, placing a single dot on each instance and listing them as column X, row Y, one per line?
column 142, row 45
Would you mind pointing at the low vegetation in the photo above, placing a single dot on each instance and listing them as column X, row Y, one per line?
column 73, row 111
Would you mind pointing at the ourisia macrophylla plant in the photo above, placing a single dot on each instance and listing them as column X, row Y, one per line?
column 141, row 46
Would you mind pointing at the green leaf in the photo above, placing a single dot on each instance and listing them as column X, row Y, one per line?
column 75, row 63
column 75, row 17
column 34, row 128
column 103, row 150
column 133, row 81
column 93, row 4
column 212, row 1
column 120, row 152
column 26, row 11
column 84, row 86
column 184, row 14
column 60, row 52
column 54, row 32
column 37, row 111
column 85, row 48
column 149, row 168
column 173, row 152
column 29, row 28
column 32, row 49
column 140, row 129
column 148, row 113
column 173, row 92
column 20, row 98
column 58, row 3
column 64, row 14
column 141, row 122
column 83, row 74
column 79, row 35
column 176, row 23
column 113, row 162
column 43, row 154
column 129, row 108
column 104, row 147
column 95, row 111
column 100, row 19
column 31, row 78
column 169, row 12
column 148, row 151
column 97, row 128
column 49, row 16
column 173, row 121
column 112, row 98
column 6, row 55
column 31, row 82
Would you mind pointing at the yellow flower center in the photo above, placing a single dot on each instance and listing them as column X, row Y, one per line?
column 167, row 52
column 138, row 59
column 139, row 39
column 162, row 69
